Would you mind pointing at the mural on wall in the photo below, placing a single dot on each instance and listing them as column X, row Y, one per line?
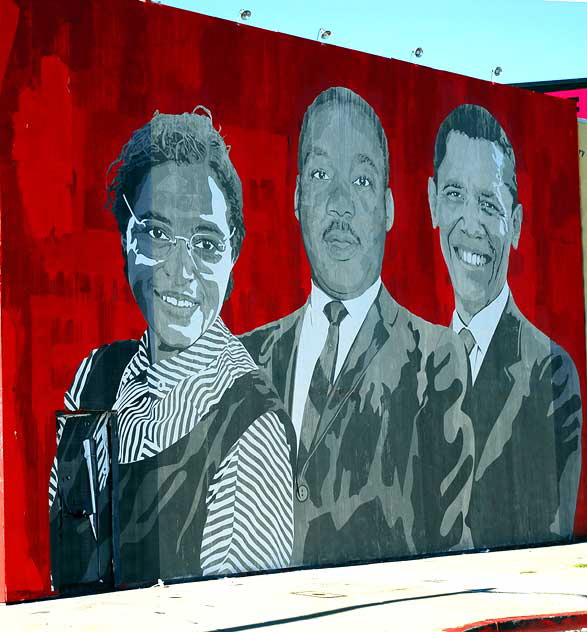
column 373, row 391
column 523, row 395
column 381, row 365
column 204, row 445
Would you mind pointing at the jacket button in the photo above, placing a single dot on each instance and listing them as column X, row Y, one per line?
column 302, row 493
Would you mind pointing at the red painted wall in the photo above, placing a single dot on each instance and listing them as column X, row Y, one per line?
column 80, row 76
column 9, row 13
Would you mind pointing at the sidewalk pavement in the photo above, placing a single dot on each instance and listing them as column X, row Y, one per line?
column 417, row 595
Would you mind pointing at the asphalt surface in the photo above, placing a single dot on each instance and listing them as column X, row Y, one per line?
column 418, row 595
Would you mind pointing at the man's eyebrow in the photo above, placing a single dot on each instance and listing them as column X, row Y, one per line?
column 452, row 185
column 364, row 159
column 491, row 194
column 317, row 151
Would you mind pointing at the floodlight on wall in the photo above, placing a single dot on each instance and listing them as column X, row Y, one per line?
column 323, row 34
column 417, row 52
column 495, row 72
column 245, row 14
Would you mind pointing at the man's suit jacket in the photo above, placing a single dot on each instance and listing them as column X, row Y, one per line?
column 390, row 468
column 526, row 410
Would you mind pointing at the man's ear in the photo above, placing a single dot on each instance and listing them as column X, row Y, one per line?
column 297, row 199
column 517, row 217
column 389, row 209
column 432, row 199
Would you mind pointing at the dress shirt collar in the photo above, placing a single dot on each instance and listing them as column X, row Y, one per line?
column 484, row 323
column 356, row 307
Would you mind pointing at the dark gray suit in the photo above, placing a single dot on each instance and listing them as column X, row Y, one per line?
column 389, row 470
column 526, row 409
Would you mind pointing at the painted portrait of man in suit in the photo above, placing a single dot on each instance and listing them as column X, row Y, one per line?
column 523, row 395
column 362, row 378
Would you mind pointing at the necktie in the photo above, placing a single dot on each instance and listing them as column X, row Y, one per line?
column 323, row 375
column 467, row 339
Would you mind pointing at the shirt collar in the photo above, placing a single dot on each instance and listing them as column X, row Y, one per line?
column 484, row 323
column 162, row 376
column 356, row 307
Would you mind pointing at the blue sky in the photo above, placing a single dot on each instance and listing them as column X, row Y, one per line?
column 532, row 40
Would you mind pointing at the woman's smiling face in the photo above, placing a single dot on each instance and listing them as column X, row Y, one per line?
column 179, row 255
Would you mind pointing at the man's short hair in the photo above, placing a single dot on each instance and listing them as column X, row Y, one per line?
column 477, row 123
column 347, row 99
column 187, row 138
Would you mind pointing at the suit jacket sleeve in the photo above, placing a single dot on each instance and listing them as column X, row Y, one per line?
column 564, row 415
column 444, row 451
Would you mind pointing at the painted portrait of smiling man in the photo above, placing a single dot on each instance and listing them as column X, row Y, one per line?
column 373, row 391
column 523, row 392
column 475, row 203
column 203, row 441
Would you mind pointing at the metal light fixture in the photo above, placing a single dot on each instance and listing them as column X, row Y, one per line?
column 495, row 72
column 245, row 14
column 323, row 33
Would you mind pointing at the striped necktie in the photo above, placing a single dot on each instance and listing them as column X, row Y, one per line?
column 467, row 339
column 323, row 375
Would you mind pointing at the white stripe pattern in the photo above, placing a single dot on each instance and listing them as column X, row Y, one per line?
column 159, row 404
column 249, row 523
column 53, row 475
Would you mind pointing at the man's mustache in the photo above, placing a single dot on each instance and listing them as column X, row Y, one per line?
column 339, row 229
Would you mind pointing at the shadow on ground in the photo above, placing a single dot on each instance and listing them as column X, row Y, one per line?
column 328, row 613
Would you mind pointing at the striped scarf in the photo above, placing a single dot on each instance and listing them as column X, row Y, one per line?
column 160, row 403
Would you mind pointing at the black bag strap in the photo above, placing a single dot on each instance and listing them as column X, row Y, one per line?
column 109, row 362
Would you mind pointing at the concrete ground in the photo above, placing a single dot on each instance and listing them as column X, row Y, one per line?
column 418, row 595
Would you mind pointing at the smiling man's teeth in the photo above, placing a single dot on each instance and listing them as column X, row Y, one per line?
column 182, row 302
column 472, row 258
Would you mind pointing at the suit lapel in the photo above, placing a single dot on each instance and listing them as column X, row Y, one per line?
column 371, row 337
column 284, row 354
column 493, row 388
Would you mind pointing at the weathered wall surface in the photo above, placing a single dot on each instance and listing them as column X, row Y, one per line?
column 370, row 431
